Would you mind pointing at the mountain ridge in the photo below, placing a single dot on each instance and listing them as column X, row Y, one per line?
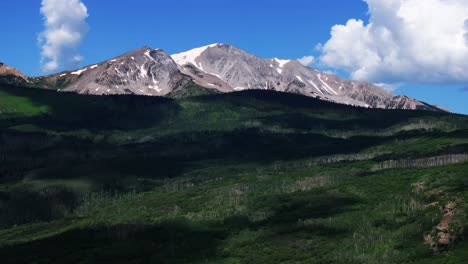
column 9, row 72
column 219, row 68
column 232, row 65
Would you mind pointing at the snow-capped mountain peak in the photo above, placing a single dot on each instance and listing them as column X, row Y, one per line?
column 240, row 70
column 224, row 68
column 191, row 56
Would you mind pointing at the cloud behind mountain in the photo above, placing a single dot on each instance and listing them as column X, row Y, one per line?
column 403, row 41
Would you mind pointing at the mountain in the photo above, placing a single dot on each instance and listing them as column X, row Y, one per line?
column 218, row 68
column 143, row 71
column 9, row 74
column 242, row 70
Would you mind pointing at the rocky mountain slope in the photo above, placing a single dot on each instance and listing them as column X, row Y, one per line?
column 241, row 71
column 143, row 71
column 219, row 68
column 7, row 72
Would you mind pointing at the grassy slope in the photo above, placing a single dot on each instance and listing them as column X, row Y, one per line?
column 238, row 178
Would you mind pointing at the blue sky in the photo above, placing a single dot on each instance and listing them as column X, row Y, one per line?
column 285, row 29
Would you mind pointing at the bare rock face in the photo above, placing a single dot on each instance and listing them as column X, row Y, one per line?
column 404, row 102
column 447, row 231
column 242, row 70
column 205, row 80
column 237, row 68
column 143, row 71
column 6, row 71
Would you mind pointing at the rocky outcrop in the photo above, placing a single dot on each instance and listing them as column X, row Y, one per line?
column 6, row 71
column 445, row 233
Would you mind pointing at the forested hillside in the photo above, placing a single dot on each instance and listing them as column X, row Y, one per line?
column 246, row 177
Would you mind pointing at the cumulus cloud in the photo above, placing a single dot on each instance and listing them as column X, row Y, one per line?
column 403, row 41
column 65, row 28
column 389, row 86
column 307, row 60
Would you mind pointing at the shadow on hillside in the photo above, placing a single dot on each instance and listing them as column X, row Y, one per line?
column 69, row 157
column 265, row 99
column 180, row 241
column 362, row 122
column 173, row 155
column 164, row 243
column 69, row 111
column 20, row 206
column 294, row 213
column 119, row 166
column 288, row 208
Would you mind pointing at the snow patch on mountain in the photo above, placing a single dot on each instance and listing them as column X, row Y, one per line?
column 79, row 72
column 281, row 64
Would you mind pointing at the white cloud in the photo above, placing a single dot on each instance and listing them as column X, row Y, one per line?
column 389, row 86
column 466, row 31
column 404, row 41
column 307, row 60
column 65, row 28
